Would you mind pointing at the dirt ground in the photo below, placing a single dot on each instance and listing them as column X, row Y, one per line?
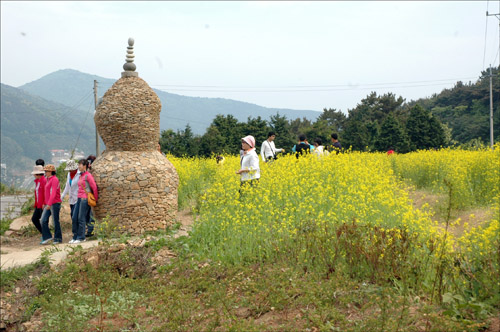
column 436, row 204
column 21, row 244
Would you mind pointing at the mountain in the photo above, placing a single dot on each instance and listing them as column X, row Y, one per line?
column 74, row 88
column 32, row 126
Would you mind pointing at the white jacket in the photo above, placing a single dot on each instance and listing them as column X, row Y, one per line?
column 268, row 150
column 250, row 161
column 71, row 189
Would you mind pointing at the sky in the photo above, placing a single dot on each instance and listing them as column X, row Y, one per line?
column 298, row 55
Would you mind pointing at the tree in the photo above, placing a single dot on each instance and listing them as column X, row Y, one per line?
column 284, row 136
column 231, row 130
column 258, row 128
column 424, row 130
column 335, row 120
column 212, row 142
column 392, row 135
column 355, row 135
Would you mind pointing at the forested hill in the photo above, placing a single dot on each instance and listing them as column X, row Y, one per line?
column 465, row 108
column 74, row 88
column 31, row 126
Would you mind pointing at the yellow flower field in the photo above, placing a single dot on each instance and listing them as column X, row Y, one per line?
column 346, row 212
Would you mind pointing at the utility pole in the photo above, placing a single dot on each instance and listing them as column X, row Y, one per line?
column 97, row 150
column 491, row 85
column 491, row 109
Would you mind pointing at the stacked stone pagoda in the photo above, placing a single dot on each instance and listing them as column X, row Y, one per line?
column 137, row 184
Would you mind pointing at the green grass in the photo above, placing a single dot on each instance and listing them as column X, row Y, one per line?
column 125, row 293
column 5, row 224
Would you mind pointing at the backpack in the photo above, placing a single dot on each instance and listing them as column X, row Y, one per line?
column 301, row 149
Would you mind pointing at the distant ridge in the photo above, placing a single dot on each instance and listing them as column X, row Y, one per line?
column 70, row 87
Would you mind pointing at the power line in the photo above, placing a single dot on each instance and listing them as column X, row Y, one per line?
column 306, row 86
column 81, row 129
column 308, row 90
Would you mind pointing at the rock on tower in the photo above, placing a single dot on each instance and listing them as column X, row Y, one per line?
column 137, row 184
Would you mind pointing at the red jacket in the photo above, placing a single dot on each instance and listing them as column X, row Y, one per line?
column 40, row 192
column 52, row 191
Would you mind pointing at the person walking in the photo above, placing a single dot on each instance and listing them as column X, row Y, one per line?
column 90, row 219
column 71, row 187
column 268, row 150
column 40, row 182
column 249, row 162
column 52, row 206
column 81, row 213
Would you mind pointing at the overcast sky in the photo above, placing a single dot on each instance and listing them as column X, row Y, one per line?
column 299, row 55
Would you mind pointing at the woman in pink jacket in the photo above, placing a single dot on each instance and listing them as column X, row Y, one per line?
column 52, row 206
column 81, row 211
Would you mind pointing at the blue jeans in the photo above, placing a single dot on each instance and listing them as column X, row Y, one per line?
column 90, row 222
column 54, row 211
column 80, row 216
column 72, row 207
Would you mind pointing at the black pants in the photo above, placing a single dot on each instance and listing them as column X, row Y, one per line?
column 35, row 219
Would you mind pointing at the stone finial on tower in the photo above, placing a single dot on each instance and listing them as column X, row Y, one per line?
column 129, row 66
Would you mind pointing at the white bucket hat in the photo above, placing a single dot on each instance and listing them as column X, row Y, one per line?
column 71, row 166
column 38, row 169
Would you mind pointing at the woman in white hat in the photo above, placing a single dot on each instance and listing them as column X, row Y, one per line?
column 71, row 186
column 249, row 161
column 40, row 182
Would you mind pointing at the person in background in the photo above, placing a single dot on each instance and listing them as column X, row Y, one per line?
column 249, row 161
column 40, row 182
column 81, row 214
column 336, row 144
column 52, row 206
column 158, row 147
column 390, row 151
column 219, row 159
column 268, row 151
column 71, row 187
column 90, row 219
column 319, row 149
column 40, row 162
column 91, row 158
column 302, row 147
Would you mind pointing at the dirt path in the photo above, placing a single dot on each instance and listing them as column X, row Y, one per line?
column 19, row 249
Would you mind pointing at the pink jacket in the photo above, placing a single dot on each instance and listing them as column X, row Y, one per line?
column 52, row 191
column 81, row 185
column 40, row 192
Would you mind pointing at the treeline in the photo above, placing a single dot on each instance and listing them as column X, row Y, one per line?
column 457, row 116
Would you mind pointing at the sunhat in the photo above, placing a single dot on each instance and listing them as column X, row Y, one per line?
column 49, row 168
column 38, row 169
column 71, row 166
column 250, row 140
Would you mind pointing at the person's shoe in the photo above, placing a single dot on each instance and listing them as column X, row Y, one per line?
column 78, row 241
column 71, row 241
column 46, row 241
column 57, row 241
column 89, row 234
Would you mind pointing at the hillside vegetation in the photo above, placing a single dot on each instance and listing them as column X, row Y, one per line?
column 31, row 126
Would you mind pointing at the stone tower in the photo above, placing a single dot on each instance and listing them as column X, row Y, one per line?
column 137, row 184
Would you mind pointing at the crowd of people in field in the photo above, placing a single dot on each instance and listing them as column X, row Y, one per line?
column 249, row 160
column 80, row 188
column 82, row 192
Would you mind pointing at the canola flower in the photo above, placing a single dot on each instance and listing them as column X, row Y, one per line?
column 346, row 212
